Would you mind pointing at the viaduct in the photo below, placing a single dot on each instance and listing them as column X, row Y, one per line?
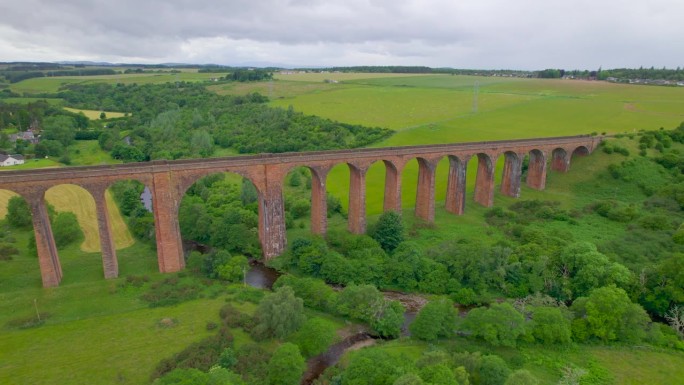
column 169, row 180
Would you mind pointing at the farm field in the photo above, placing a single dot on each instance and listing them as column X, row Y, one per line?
column 95, row 115
column 437, row 109
column 77, row 200
column 53, row 84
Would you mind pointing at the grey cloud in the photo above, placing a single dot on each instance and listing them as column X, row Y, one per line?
column 488, row 33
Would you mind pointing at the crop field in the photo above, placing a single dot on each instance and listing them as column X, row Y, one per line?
column 95, row 115
column 80, row 202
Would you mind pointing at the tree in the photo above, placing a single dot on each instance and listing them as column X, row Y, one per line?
column 388, row 319
column 438, row 375
column 409, row 379
column 234, row 269
column 373, row 367
column 608, row 314
column 675, row 317
column 279, row 314
column 388, row 231
column 18, row 212
column 65, row 229
column 585, row 268
column 286, row 365
column 435, row 320
column 201, row 143
column 4, row 140
column 127, row 153
column 550, row 325
column 360, row 301
column 227, row 359
column 183, row 377
column 191, row 376
column 500, row 324
column 248, row 192
column 49, row 147
column 61, row 128
column 194, row 219
column 521, row 377
column 295, row 179
column 493, row 370
column 314, row 337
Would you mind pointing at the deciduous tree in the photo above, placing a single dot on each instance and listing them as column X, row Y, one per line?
column 279, row 314
column 286, row 365
column 18, row 212
column 435, row 320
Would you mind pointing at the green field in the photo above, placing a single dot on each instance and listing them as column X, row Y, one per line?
column 95, row 115
column 53, row 84
column 439, row 109
column 53, row 101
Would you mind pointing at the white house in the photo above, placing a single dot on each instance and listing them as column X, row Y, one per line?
column 11, row 160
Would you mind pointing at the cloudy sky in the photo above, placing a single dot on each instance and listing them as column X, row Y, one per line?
column 490, row 34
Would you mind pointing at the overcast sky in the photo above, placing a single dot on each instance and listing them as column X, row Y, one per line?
column 489, row 34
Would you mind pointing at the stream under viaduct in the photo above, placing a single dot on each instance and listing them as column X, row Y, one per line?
column 169, row 180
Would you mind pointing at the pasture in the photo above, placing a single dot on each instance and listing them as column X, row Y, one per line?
column 441, row 109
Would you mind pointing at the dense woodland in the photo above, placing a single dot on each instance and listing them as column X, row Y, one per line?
column 173, row 121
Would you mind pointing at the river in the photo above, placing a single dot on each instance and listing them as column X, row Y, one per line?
column 353, row 337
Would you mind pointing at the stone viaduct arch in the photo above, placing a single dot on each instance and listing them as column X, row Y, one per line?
column 169, row 180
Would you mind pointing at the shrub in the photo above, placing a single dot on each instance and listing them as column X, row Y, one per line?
column 170, row 292
column 279, row 314
column 314, row 337
column 435, row 320
column 201, row 355
column 65, row 229
column 18, row 212
column 499, row 324
column 7, row 251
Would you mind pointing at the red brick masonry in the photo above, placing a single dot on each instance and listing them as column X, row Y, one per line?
column 168, row 181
